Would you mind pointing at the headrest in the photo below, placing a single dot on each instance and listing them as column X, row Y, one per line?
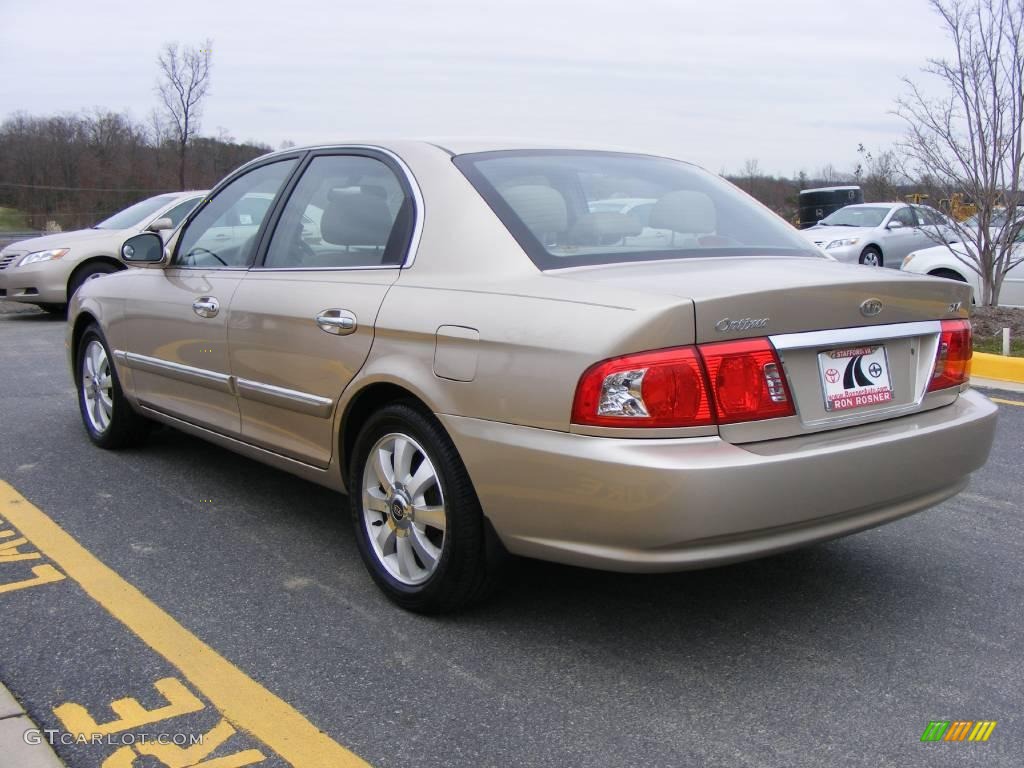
column 541, row 208
column 356, row 218
column 603, row 228
column 684, row 211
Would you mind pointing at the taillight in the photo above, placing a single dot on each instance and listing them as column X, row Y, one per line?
column 662, row 388
column 719, row 383
column 747, row 381
column 953, row 357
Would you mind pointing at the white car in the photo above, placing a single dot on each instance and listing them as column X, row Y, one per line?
column 880, row 234
column 942, row 261
column 47, row 271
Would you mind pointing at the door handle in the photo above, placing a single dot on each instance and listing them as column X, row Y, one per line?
column 206, row 306
column 340, row 322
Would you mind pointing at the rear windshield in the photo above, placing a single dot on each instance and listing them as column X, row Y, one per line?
column 577, row 208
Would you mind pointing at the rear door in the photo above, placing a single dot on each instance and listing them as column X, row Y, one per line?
column 302, row 321
column 177, row 342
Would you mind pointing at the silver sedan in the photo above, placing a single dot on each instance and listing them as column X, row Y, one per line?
column 880, row 234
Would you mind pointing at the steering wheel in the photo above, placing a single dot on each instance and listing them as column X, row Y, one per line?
column 197, row 249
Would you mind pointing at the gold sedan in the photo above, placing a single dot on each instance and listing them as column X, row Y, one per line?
column 605, row 359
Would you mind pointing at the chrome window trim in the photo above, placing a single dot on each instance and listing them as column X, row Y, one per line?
column 292, row 399
column 207, row 268
column 325, row 269
column 856, row 335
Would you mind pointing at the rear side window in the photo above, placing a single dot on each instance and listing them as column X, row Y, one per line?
column 577, row 208
column 347, row 211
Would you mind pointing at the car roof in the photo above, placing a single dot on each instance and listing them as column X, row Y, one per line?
column 467, row 145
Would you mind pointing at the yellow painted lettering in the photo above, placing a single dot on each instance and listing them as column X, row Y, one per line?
column 174, row 756
column 131, row 714
column 44, row 574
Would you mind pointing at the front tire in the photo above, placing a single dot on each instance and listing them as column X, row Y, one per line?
column 109, row 419
column 871, row 257
column 417, row 520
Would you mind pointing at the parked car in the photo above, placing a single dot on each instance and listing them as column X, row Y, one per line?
column 880, row 234
column 953, row 263
column 488, row 366
column 996, row 222
column 47, row 270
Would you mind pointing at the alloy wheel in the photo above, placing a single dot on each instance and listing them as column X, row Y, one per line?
column 403, row 508
column 97, row 386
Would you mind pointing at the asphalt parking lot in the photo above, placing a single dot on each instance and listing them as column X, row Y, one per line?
column 253, row 603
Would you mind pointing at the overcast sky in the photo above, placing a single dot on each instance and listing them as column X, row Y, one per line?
column 795, row 84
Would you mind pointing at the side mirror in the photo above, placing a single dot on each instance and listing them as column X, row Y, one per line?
column 147, row 248
column 158, row 224
column 894, row 225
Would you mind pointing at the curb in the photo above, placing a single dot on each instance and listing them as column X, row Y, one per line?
column 997, row 367
column 14, row 723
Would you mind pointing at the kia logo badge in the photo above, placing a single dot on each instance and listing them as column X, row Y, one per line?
column 871, row 307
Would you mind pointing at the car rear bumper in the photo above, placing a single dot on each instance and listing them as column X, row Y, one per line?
column 35, row 284
column 672, row 504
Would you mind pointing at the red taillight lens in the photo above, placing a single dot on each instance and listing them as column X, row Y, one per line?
column 663, row 388
column 747, row 381
column 719, row 383
column 953, row 357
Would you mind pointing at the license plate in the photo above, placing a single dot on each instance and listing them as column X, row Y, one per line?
column 854, row 377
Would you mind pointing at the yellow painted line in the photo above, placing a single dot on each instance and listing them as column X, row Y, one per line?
column 1006, row 402
column 997, row 367
column 242, row 700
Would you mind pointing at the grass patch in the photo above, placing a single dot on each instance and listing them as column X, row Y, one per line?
column 994, row 346
column 12, row 220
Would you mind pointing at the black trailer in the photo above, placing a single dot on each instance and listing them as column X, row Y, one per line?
column 816, row 204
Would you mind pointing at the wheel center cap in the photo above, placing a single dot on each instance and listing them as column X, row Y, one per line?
column 400, row 509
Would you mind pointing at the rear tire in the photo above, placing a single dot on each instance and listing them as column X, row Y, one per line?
column 87, row 273
column 417, row 520
column 871, row 257
column 109, row 419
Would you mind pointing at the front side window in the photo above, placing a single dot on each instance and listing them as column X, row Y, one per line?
column 577, row 208
column 223, row 233
column 347, row 211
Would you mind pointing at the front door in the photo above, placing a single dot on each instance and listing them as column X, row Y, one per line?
column 902, row 240
column 177, row 343
column 302, row 321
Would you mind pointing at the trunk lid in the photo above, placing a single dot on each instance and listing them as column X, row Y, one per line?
column 744, row 297
column 810, row 308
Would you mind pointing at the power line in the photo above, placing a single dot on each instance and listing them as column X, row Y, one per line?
column 84, row 189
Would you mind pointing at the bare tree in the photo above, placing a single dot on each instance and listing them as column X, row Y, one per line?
column 183, row 83
column 970, row 140
column 879, row 174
